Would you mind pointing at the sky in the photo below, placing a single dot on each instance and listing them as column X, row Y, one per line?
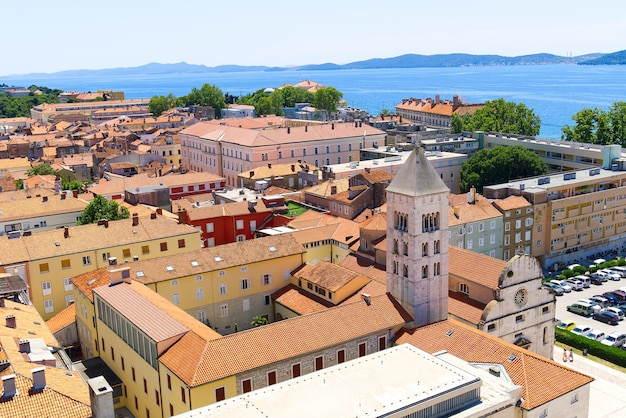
column 39, row 36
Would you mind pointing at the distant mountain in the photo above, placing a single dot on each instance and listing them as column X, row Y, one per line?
column 616, row 58
column 403, row 61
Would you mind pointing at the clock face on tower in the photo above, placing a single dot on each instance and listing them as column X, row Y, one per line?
column 520, row 297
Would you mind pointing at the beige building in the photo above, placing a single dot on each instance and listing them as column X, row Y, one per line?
column 575, row 214
column 517, row 218
column 227, row 151
column 504, row 299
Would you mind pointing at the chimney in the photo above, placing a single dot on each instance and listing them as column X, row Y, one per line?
column 2, row 304
column 24, row 346
column 367, row 298
column 75, row 193
column 472, row 196
column 182, row 216
column 106, row 223
column 356, row 124
column 269, row 165
column 159, row 211
column 101, row 397
column 251, row 174
column 360, row 124
column 10, row 321
column 119, row 275
column 135, row 219
column 39, row 378
column 288, row 130
column 8, row 383
column 112, row 261
column 44, row 199
column 293, row 167
column 153, row 215
column 63, row 195
column 332, row 126
column 66, row 232
column 306, row 128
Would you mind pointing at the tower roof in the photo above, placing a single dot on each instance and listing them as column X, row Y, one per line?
column 417, row 177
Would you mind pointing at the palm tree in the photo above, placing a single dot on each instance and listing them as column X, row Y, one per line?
column 258, row 321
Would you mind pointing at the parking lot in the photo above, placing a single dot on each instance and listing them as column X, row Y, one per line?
column 568, row 298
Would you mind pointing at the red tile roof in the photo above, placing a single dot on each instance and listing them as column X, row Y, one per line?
column 478, row 268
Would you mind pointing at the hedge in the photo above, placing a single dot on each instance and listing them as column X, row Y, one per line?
column 612, row 354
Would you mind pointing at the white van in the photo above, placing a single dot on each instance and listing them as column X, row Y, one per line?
column 586, row 280
column 621, row 270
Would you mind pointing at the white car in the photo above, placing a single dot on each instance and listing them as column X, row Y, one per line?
column 595, row 334
column 613, row 275
column 574, row 283
column 565, row 286
column 616, row 339
column 594, row 306
column 582, row 330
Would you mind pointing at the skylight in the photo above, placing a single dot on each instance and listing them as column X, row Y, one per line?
column 92, row 281
column 272, row 249
column 140, row 273
column 194, row 263
column 169, row 268
column 512, row 357
column 218, row 258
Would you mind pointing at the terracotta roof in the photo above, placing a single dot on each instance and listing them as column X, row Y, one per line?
column 86, row 282
column 511, row 202
column 213, row 258
column 89, row 237
column 265, row 122
column 118, row 185
column 465, row 311
column 376, row 222
column 327, row 275
column 61, row 320
column 265, row 171
column 325, row 188
column 417, row 177
column 47, row 402
column 299, row 300
column 37, row 207
column 219, row 210
column 542, row 380
column 373, row 288
column 478, row 268
column 257, row 347
column 470, row 212
column 9, row 196
column 376, row 176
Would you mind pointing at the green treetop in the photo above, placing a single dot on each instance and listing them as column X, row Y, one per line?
column 102, row 208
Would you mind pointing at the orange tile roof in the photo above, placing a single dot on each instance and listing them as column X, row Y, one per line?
column 299, row 300
column 464, row 311
column 511, row 202
column 376, row 222
column 257, row 347
column 88, row 281
column 64, row 318
column 542, row 380
column 118, row 185
column 481, row 210
column 47, row 402
column 327, row 275
column 376, row 176
column 325, row 188
column 477, row 268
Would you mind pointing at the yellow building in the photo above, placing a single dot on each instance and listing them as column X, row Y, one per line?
column 48, row 260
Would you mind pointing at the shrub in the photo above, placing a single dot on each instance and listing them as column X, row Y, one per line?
column 568, row 273
column 580, row 270
column 621, row 262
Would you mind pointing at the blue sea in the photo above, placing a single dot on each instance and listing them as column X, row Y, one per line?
column 554, row 92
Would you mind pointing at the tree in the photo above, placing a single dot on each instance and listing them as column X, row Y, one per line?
column 159, row 104
column 499, row 165
column 456, row 124
column 207, row 95
column 102, row 208
column 327, row 99
column 258, row 321
column 41, row 170
column 502, row 116
column 595, row 126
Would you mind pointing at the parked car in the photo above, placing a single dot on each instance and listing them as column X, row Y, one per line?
column 573, row 266
column 599, row 261
column 566, row 286
column 581, row 308
column 586, row 280
column 566, row 325
column 594, row 305
column 600, row 300
column 621, row 308
column 613, row 275
column 582, row 330
column 620, row 269
column 595, row 334
column 606, row 317
column 616, row 311
column 616, row 339
column 618, row 293
column 574, row 283
column 613, row 300
column 600, row 277
column 554, row 288
column 597, row 280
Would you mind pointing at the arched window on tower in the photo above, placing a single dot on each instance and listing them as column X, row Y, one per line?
column 424, row 272
column 405, row 270
column 437, row 269
column 405, row 248
column 437, row 248
column 425, row 249
column 395, row 246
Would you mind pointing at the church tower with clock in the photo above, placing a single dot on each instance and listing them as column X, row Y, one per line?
column 417, row 240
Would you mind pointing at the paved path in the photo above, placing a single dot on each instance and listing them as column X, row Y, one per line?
column 607, row 395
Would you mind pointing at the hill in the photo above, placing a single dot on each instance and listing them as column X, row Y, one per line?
column 616, row 58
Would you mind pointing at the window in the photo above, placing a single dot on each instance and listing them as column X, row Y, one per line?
column 222, row 289
column 518, row 237
column 44, row 268
column 86, row 260
column 528, row 222
column 106, row 256
column 245, row 284
column 470, row 244
column 519, row 318
column 126, row 252
column 481, row 241
column 65, row 264
column 491, row 327
column 574, row 398
column 319, row 363
column 492, row 239
column 183, row 394
column 224, row 310
column 507, row 226
column 157, row 398
column 341, row 356
column 362, row 349
column 246, row 386
column 209, row 227
column 271, row 378
column 145, row 249
column 481, row 226
column 507, row 240
column 181, row 243
column 295, row 370
column 527, row 235
column 252, row 226
column 48, row 305
column 163, row 246
column 518, row 224
column 545, row 310
column 176, row 298
column 382, row 343
column 68, row 300
column 169, row 382
column 240, row 238
column 46, row 288
column 220, row 394
column 132, row 369
column 267, row 279
column 470, row 229
column 239, row 223
column 268, row 300
column 200, row 293
column 464, row 288
column 145, row 385
column 492, row 225
column 246, row 305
